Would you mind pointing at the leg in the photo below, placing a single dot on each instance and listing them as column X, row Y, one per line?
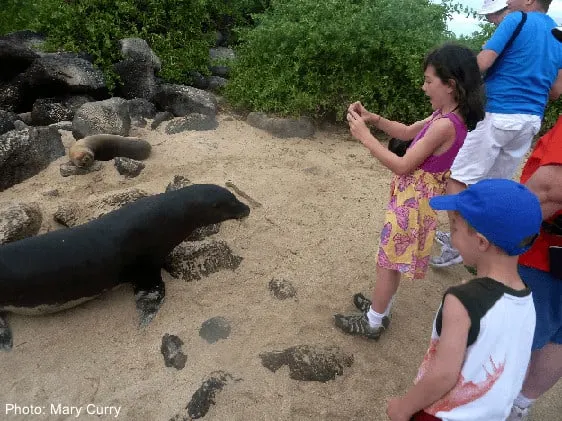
column 6, row 341
column 454, row 186
column 545, row 369
column 149, row 293
column 385, row 288
column 360, row 324
column 545, row 366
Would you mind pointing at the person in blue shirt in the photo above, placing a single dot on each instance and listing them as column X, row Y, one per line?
column 519, row 80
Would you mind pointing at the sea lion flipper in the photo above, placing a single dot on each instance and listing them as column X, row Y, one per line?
column 6, row 341
column 149, row 295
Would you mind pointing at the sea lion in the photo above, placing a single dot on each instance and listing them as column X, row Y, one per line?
column 66, row 267
column 103, row 147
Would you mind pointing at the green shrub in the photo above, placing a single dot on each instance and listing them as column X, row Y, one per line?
column 310, row 57
column 226, row 14
column 172, row 28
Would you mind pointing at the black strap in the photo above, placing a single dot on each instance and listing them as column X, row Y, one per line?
column 492, row 68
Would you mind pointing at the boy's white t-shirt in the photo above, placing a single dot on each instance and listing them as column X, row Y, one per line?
column 497, row 356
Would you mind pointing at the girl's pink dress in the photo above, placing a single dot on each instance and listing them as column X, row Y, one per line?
column 410, row 223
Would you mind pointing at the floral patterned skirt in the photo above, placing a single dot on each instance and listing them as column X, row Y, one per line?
column 410, row 223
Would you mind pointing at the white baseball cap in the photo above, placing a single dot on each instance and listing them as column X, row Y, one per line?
column 492, row 6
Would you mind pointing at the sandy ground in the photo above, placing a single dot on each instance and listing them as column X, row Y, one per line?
column 321, row 215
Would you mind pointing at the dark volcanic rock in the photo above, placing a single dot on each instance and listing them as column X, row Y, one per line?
column 204, row 397
column 68, row 169
column 214, row 329
column 177, row 183
column 128, row 167
column 191, row 260
column 282, row 289
column 195, row 121
column 200, row 233
column 171, row 350
column 24, row 153
column 19, row 221
column 309, row 363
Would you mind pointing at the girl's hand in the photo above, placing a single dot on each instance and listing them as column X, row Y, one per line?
column 358, row 108
column 357, row 126
column 394, row 410
column 367, row 116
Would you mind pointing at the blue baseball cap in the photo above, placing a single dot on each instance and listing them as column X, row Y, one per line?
column 507, row 213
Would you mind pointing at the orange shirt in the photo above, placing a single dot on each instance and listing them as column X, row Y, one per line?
column 548, row 151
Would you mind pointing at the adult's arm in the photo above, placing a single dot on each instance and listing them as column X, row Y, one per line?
column 485, row 59
column 546, row 183
column 556, row 89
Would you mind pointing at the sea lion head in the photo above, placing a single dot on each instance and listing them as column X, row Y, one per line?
column 210, row 204
column 82, row 157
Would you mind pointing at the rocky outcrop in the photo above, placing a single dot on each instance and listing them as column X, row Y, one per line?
column 19, row 221
column 110, row 116
column 24, row 153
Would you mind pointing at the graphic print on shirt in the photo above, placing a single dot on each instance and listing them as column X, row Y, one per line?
column 463, row 392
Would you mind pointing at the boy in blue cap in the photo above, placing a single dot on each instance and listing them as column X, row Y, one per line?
column 483, row 330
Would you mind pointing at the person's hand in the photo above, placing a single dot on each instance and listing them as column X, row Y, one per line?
column 395, row 412
column 358, row 108
column 357, row 126
column 367, row 116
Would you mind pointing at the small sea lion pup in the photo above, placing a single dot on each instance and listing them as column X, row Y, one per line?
column 103, row 147
column 64, row 268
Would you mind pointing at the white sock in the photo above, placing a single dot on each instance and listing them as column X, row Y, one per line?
column 522, row 401
column 375, row 319
column 389, row 306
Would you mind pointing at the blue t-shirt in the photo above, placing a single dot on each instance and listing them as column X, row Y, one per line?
column 523, row 76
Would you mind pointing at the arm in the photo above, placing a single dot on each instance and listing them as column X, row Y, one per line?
column 556, row 89
column 485, row 59
column 546, row 183
column 445, row 367
column 399, row 130
column 392, row 128
column 440, row 132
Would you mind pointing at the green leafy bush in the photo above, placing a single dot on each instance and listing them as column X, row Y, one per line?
column 310, row 57
column 173, row 29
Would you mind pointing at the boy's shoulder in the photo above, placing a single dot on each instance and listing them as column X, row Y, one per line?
column 478, row 296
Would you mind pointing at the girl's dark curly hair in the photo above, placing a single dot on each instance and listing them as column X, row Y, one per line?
column 454, row 62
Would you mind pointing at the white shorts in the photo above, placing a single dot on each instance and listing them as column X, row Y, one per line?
column 495, row 148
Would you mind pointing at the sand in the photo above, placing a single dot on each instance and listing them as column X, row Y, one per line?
column 322, row 207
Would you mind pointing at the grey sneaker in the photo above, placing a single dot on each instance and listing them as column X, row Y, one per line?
column 358, row 324
column 443, row 238
column 518, row 414
column 449, row 256
column 361, row 302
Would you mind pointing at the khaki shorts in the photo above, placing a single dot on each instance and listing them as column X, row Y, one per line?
column 495, row 148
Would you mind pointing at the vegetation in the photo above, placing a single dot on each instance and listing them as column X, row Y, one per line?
column 294, row 57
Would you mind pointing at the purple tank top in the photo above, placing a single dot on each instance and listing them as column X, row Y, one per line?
column 444, row 161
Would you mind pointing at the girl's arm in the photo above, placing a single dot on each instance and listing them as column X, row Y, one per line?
column 392, row 128
column 398, row 130
column 445, row 367
column 440, row 132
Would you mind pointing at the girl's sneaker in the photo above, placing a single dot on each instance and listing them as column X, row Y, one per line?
column 361, row 302
column 443, row 238
column 449, row 256
column 358, row 324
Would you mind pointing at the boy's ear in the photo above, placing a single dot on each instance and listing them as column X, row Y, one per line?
column 483, row 243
